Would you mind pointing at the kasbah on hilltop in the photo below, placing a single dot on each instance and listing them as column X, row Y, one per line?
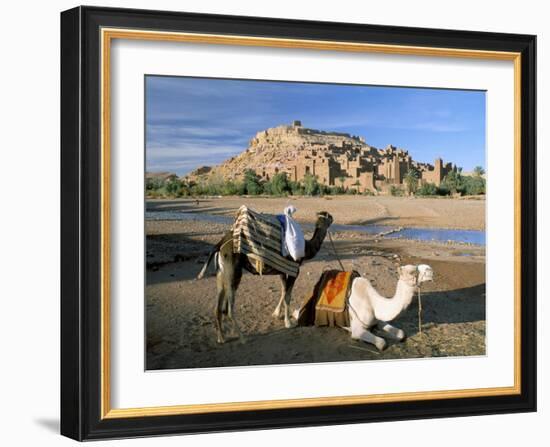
column 336, row 159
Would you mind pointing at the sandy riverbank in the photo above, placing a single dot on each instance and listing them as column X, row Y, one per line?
column 436, row 212
column 180, row 324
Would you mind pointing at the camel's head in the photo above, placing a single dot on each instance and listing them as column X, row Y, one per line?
column 324, row 219
column 414, row 275
column 425, row 273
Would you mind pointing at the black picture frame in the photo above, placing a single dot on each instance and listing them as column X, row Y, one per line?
column 81, row 209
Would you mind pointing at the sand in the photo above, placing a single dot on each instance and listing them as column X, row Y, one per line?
column 180, row 320
column 440, row 212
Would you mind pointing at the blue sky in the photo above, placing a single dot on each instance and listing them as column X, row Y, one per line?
column 191, row 122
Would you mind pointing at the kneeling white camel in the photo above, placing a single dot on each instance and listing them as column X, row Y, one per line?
column 369, row 309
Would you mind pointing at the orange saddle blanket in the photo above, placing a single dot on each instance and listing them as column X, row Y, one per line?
column 326, row 305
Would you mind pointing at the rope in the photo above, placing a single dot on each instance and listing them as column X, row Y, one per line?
column 335, row 252
column 365, row 325
column 419, row 312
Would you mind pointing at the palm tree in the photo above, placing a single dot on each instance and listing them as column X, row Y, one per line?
column 411, row 180
column 479, row 171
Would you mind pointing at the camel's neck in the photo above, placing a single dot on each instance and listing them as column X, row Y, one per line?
column 314, row 244
column 387, row 309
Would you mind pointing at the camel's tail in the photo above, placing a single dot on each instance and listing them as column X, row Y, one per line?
column 213, row 254
column 207, row 263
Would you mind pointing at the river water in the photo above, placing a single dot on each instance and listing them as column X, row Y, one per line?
column 475, row 237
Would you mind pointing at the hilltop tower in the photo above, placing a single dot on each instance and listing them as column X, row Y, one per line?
column 396, row 174
column 438, row 171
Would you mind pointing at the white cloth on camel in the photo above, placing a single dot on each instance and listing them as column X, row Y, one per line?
column 294, row 243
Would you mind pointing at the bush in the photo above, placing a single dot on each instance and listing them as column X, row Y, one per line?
column 153, row 183
column 453, row 182
column 278, row 186
column 474, row 185
column 173, row 187
column 311, row 185
column 230, row 188
column 296, row 188
column 427, row 189
column 396, row 191
column 251, row 184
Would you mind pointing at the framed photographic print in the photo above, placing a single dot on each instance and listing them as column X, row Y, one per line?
column 277, row 223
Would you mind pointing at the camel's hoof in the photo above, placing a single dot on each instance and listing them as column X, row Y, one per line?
column 221, row 341
column 277, row 314
column 289, row 324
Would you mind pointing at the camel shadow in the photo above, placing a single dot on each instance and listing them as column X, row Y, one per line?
column 176, row 250
column 173, row 204
column 188, row 206
column 464, row 305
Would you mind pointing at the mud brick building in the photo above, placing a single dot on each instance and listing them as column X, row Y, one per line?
column 336, row 159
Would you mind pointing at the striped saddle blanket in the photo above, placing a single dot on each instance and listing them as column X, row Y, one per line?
column 260, row 236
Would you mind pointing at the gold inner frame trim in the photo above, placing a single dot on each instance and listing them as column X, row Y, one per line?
column 107, row 35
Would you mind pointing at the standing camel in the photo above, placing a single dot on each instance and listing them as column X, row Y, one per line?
column 230, row 267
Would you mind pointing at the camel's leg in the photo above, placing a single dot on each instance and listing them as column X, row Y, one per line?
column 289, row 284
column 392, row 331
column 358, row 332
column 235, row 280
column 228, row 278
column 231, row 314
column 369, row 337
column 277, row 312
column 219, row 310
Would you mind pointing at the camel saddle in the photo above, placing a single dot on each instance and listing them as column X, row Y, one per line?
column 260, row 237
column 327, row 304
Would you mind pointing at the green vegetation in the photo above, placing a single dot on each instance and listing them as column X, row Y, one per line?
column 427, row 189
column 455, row 183
column 311, row 185
column 396, row 191
column 479, row 171
column 252, row 185
column 411, row 181
column 280, row 185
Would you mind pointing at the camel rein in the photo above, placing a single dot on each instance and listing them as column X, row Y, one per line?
column 419, row 310
column 335, row 252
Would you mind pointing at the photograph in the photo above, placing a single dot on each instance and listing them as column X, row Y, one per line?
column 302, row 222
column 274, row 221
